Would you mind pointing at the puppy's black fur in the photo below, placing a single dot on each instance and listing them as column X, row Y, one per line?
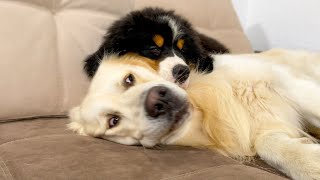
column 134, row 34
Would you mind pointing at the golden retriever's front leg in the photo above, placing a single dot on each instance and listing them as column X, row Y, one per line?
column 295, row 157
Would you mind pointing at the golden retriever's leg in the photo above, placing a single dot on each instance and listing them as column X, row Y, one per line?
column 296, row 157
column 305, row 93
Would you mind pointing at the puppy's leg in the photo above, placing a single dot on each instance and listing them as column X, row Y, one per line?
column 293, row 156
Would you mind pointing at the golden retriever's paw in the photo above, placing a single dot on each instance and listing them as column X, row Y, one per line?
column 77, row 128
column 75, row 125
column 310, row 166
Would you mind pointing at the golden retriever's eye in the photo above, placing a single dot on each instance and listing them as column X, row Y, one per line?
column 128, row 80
column 113, row 121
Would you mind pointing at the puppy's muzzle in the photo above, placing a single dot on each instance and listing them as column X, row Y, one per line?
column 161, row 101
column 180, row 73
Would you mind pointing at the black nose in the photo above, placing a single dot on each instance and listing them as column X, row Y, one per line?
column 180, row 73
column 157, row 101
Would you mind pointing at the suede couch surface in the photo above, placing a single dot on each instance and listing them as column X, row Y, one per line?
column 44, row 149
column 42, row 47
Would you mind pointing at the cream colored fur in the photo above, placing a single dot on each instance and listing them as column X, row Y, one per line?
column 256, row 104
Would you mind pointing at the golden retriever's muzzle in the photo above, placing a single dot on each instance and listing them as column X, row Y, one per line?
column 161, row 103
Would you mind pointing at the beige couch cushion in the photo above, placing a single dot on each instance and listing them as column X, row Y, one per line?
column 44, row 42
column 44, row 150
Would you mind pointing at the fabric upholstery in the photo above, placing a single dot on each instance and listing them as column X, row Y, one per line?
column 42, row 47
column 43, row 44
column 44, row 149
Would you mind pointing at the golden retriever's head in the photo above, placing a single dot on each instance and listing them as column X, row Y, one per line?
column 129, row 103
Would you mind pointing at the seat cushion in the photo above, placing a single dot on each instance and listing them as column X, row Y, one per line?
column 42, row 46
column 45, row 149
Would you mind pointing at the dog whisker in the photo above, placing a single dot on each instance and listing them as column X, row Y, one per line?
column 145, row 152
column 158, row 147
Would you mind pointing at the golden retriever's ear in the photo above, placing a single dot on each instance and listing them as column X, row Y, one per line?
column 76, row 122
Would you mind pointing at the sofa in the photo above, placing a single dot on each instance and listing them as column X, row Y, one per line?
column 42, row 47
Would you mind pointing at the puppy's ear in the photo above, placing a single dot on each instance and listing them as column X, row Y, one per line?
column 76, row 122
column 93, row 61
column 212, row 45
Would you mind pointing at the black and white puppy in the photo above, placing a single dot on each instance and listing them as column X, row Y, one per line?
column 162, row 36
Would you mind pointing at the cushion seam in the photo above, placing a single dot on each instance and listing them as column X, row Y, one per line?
column 32, row 5
column 197, row 171
column 34, row 117
column 36, row 137
column 59, row 106
column 270, row 170
column 205, row 170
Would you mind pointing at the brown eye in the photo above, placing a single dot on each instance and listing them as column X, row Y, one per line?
column 113, row 121
column 129, row 80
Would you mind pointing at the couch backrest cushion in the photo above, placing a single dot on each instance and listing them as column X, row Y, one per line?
column 43, row 44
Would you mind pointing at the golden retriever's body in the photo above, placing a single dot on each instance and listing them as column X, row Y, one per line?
column 257, row 104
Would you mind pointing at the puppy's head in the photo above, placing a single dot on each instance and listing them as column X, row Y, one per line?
column 129, row 103
column 160, row 35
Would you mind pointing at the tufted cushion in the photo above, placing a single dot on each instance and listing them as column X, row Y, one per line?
column 44, row 42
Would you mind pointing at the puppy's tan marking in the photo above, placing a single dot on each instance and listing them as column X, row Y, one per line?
column 180, row 43
column 158, row 39
column 135, row 59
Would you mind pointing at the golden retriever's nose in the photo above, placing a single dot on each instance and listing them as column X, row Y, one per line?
column 180, row 73
column 158, row 101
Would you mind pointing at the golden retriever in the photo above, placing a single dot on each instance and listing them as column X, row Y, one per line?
column 254, row 104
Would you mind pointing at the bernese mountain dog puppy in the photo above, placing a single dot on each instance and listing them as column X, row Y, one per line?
column 162, row 36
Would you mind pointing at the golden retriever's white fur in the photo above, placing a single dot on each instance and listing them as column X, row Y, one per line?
column 263, row 104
